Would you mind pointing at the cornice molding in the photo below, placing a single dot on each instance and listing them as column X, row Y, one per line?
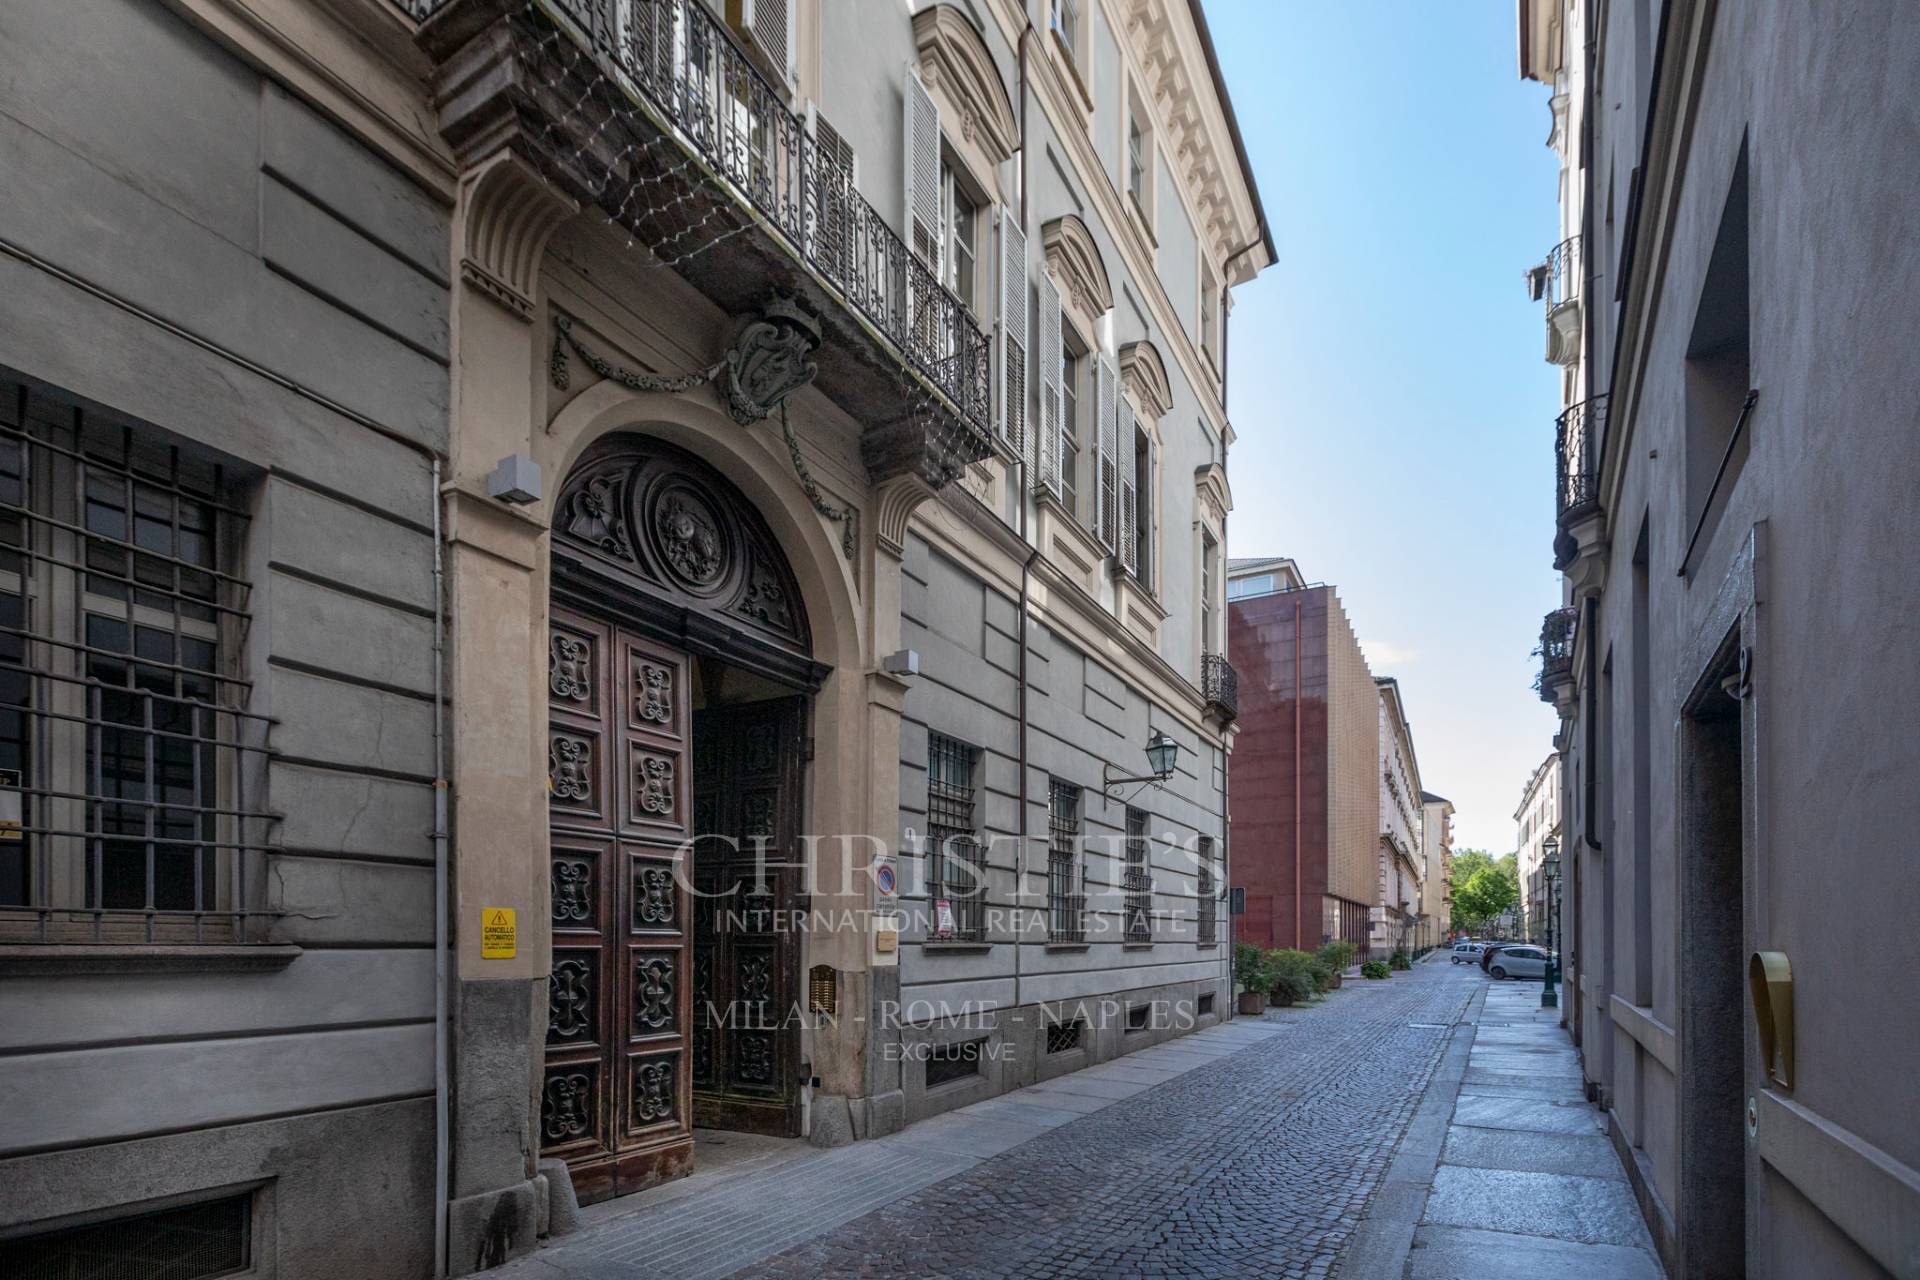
column 954, row 58
column 1146, row 376
column 1199, row 143
column 1077, row 265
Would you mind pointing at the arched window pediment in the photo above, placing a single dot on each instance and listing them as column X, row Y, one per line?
column 1077, row 265
column 1146, row 376
column 955, row 58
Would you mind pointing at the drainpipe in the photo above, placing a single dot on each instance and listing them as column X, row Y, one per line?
column 1299, row 890
column 1592, row 726
column 1026, row 579
column 441, row 1142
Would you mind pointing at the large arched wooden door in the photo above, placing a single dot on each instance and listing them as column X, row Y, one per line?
column 657, row 559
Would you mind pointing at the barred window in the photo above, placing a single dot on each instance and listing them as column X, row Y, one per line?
column 131, row 776
column 1207, row 892
column 956, row 865
column 1138, row 879
column 1066, row 894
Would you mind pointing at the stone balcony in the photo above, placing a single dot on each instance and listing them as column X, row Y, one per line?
column 1556, row 282
column 1556, row 654
column 1580, row 535
column 1220, row 684
column 654, row 112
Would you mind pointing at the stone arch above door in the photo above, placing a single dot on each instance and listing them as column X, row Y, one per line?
column 708, row 572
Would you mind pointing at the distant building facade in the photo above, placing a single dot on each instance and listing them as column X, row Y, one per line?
column 1394, row 917
column 1537, row 818
column 1436, row 886
column 1306, row 782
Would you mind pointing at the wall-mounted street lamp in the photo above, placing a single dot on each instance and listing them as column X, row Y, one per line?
column 1550, row 972
column 1162, row 751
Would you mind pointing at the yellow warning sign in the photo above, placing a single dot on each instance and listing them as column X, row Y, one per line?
column 499, row 937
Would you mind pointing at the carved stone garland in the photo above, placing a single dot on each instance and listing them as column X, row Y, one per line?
column 769, row 360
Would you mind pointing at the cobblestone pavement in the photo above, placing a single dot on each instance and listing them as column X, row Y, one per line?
column 1257, row 1164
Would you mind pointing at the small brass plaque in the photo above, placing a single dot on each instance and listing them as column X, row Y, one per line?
column 886, row 940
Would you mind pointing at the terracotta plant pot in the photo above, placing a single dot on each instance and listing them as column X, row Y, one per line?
column 1334, row 985
column 1252, row 1003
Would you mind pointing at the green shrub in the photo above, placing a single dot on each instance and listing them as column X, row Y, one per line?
column 1285, row 961
column 1323, row 975
column 1339, row 954
column 1292, row 988
column 1399, row 960
column 1250, row 967
column 1374, row 969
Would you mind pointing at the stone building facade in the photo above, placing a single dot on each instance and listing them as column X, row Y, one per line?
column 1436, row 881
column 1394, row 920
column 1732, row 529
column 1535, row 821
column 827, row 418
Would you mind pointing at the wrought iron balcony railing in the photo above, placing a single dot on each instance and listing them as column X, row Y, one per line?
column 1576, row 451
column 1557, row 280
column 1220, row 684
column 1556, row 651
column 654, row 110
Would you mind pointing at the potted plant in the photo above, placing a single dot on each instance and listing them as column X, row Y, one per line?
column 1291, row 989
column 1374, row 969
column 1337, row 956
column 1286, row 963
column 1399, row 960
column 1251, row 973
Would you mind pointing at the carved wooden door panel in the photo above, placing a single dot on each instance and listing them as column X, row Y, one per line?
column 615, row 1098
column 746, row 779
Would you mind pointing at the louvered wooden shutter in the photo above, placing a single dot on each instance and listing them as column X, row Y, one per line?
column 833, row 194
column 1129, row 510
column 1013, row 336
column 1051, row 426
column 773, row 28
column 922, row 225
column 1107, row 438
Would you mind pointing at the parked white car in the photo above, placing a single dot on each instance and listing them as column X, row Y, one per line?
column 1519, row 962
column 1467, row 952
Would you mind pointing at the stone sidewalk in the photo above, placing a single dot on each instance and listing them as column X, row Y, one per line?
column 1506, row 1173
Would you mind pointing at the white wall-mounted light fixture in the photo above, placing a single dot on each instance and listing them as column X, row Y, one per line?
column 515, row 480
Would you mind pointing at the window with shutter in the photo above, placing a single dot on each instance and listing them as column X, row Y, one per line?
column 1050, row 386
column 1129, row 543
column 1013, row 336
column 922, row 223
column 768, row 27
column 1106, row 449
column 831, row 173
column 1143, row 486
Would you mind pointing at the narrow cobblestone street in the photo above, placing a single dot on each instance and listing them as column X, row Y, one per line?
column 1252, row 1149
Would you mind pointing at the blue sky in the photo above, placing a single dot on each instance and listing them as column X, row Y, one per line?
column 1387, row 372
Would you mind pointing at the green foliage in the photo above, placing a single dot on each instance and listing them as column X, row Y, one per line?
column 1491, row 891
column 1374, row 969
column 1292, row 988
column 1399, row 960
column 1323, row 975
column 1338, row 954
column 1250, row 967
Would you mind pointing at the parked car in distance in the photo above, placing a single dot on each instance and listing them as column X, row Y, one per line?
column 1519, row 961
column 1467, row 952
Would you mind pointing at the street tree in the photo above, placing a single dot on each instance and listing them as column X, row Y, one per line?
column 1487, row 893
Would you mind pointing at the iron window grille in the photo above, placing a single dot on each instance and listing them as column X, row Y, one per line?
column 1208, row 925
column 1064, row 1037
column 132, row 778
column 956, row 862
column 1137, row 880
column 188, row 1242
column 1066, row 892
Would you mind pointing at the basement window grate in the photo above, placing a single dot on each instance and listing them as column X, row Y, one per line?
column 1206, row 1006
column 947, row 1063
column 190, row 1242
column 1064, row 1037
column 1137, row 1017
